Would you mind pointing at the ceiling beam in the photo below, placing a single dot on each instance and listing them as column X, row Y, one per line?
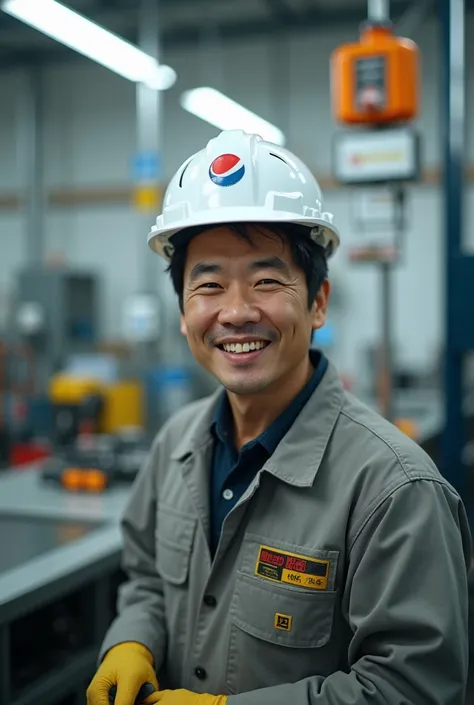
column 186, row 36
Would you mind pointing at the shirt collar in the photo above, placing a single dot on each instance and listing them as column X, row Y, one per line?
column 222, row 422
column 297, row 458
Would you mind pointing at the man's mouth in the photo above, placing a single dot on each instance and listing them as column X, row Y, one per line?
column 244, row 347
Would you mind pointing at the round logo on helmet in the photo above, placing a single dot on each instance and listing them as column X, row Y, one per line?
column 226, row 170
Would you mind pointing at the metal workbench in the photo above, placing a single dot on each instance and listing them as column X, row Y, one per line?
column 52, row 543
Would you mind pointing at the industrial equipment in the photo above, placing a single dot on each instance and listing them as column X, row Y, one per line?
column 375, row 87
column 76, row 405
column 94, row 463
column 56, row 314
column 97, row 425
column 375, row 81
column 88, row 405
column 97, row 432
column 18, row 442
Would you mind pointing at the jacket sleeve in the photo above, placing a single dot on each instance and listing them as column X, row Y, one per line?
column 140, row 602
column 406, row 602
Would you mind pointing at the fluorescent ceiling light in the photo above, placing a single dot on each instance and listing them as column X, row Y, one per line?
column 84, row 36
column 219, row 110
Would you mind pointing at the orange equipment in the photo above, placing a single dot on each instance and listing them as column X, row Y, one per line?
column 375, row 81
column 84, row 479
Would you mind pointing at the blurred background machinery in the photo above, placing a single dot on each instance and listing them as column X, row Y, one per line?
column 55, row 313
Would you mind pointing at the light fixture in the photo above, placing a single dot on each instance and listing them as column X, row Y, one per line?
column 88, row 38
column 223, row 112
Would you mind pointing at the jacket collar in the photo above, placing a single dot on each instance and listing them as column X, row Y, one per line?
column 305, row 442
column 197, row 434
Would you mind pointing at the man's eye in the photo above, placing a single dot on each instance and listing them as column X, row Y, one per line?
column 268, row 281
column 208, row 285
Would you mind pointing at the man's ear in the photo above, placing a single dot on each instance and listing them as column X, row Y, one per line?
column 182, row 325
column 320, row 305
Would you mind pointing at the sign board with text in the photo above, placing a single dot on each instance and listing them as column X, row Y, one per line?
column 376, row 156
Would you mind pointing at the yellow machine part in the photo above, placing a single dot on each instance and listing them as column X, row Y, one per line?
column 70, row 389
column 123, row 406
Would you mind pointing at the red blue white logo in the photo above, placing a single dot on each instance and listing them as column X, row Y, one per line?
column 226, row 170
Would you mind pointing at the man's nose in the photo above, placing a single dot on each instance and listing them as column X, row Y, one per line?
column 238, row 307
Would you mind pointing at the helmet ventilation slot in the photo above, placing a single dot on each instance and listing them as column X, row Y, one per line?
column 277, row 156
column 182, row 174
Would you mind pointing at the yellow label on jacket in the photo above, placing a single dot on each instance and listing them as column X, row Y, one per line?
column 284, row 567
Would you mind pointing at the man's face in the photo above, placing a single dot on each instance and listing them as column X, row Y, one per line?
column 245, row 305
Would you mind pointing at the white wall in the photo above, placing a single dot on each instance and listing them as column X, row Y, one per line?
column 90, row 136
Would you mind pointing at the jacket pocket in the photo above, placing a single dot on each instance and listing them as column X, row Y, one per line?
column 277, row 634
column 174, row 543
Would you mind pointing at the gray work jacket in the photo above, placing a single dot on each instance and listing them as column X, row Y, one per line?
column 340, row 577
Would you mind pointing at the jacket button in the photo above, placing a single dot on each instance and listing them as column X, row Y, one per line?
column 200, row 673
column 210, row 600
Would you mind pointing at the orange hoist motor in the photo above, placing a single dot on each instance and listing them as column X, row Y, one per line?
column 375, row 81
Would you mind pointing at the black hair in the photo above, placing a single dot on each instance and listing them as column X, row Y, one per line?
column 307, row 254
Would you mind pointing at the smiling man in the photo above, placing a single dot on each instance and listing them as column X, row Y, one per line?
column 284, row 543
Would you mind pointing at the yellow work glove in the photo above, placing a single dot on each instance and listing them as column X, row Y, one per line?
column 185, row 697
column 124, row 670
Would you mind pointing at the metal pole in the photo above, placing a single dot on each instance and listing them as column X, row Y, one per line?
column 149, row 126
column 378, row 10
column 452, row 21
column 386, row 377
column 31, row 147
column 148, row 142
column 386, row 362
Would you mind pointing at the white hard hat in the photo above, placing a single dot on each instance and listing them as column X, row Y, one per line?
column 240, row 178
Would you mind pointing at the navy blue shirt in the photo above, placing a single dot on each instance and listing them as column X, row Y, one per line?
column 233, row 471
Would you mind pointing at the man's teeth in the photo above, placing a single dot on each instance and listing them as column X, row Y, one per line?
column 244, row 347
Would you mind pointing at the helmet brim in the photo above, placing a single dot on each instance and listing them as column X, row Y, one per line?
column 160, row 239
